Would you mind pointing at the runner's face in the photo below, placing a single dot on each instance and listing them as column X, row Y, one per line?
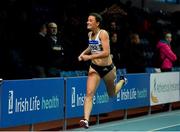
column 92, row 23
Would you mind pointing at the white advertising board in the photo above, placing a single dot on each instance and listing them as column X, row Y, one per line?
column 164, row 87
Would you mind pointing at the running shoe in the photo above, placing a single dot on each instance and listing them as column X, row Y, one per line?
column 84, row 123
column 125, row 79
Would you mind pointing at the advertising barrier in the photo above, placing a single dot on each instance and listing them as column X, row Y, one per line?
column 31, row 101
column 164, row 88
column 134, row 94
column 75, row 95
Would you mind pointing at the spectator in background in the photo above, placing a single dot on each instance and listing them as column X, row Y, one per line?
column 166, row 55
column 135, row 55
column 56, row 55
column 115, row 49
column 113, row 27
column 39, row 48
column 43, row 30
column 176, row 47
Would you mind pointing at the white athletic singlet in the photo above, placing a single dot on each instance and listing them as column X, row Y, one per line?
column 95, row 45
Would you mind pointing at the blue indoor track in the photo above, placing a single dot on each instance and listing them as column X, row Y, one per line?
column 166, row 121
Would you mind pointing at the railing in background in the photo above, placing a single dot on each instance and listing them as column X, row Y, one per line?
column 73, row 73
column 157, row 70
column 176, row 69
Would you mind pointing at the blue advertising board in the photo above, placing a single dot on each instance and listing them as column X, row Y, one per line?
column 75, row 95
column 31, row 101
column 134, row 94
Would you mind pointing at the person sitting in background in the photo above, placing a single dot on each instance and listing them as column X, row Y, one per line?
column 135, row 55
column 166, row 55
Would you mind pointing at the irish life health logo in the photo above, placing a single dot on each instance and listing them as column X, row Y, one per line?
column 10, row 102
column 73, row 97
column 31, row 103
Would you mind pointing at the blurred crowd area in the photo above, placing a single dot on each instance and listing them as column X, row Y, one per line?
column 21, row 20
